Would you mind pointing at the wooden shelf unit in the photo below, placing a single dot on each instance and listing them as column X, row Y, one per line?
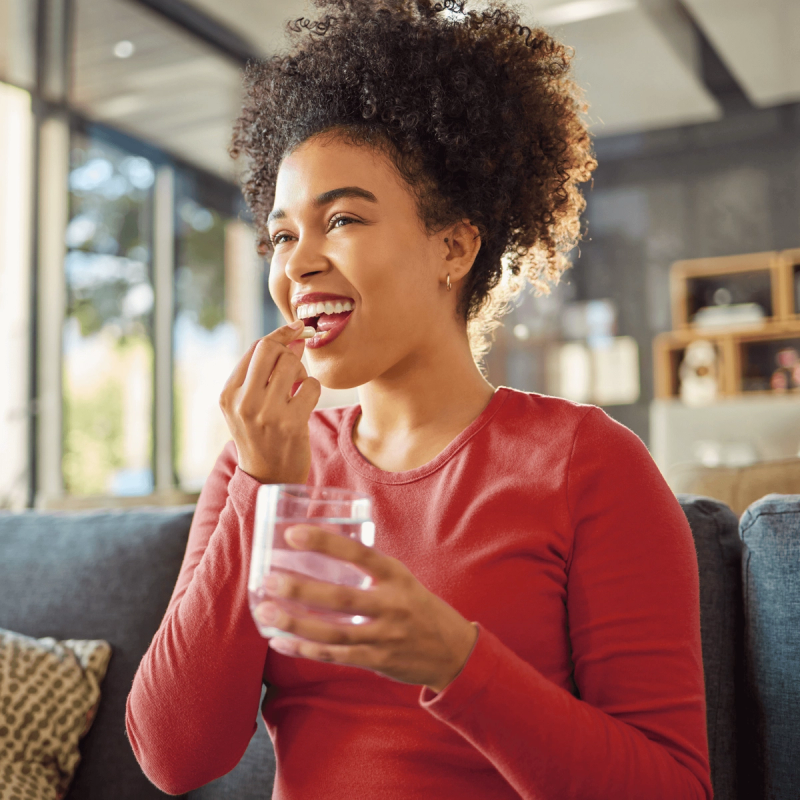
column 781, row 268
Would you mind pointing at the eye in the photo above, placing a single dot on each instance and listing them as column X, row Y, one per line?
column 278, row 237
column 339, row 217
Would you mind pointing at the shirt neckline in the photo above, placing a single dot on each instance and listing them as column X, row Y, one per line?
column 360, row 464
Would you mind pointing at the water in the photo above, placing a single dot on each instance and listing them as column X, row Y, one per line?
column 282, row 558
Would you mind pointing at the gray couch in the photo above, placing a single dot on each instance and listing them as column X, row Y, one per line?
column 110, row 574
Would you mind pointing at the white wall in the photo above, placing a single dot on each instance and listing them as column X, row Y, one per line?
column 16, row 125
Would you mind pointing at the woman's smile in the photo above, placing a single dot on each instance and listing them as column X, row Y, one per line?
column 327, row 313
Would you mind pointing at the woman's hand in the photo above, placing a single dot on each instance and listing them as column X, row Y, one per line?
column 268, row 424
column 413, row 636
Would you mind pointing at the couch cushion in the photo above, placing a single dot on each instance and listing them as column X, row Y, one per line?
column 49, row 694
column 716, row 537
column 95, row 575
column 770, row 530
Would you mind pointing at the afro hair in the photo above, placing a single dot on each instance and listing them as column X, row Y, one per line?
column 478, row 113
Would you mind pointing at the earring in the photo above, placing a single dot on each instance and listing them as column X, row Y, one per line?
column 448, row 282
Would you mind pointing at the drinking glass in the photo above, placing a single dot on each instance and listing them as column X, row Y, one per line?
column 281, row 505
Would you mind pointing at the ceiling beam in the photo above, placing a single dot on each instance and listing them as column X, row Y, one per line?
column 716, row 76
column 212, row 32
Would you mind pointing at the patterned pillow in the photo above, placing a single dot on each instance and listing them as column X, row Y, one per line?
column 49, row 693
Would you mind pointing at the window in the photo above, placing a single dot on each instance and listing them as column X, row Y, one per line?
column 149, row 285
column 108, row 328
column 217, row 316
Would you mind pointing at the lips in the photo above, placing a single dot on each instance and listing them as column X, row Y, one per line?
column 329, row 327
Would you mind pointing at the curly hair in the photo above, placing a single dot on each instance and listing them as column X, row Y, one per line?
column 478, row 113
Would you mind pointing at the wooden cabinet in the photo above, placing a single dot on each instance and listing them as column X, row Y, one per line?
column 746, row 351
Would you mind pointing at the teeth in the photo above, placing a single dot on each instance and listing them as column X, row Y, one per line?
column 315, row 309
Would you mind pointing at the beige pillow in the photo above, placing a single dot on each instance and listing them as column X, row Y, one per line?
column 49, row 693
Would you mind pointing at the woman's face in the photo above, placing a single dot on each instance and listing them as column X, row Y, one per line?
column 369, row 246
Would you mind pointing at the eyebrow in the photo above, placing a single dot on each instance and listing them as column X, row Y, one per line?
column 328, row 197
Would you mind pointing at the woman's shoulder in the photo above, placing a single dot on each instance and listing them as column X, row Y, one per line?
column 565, row 426
column 557, row 413
column 559, row 409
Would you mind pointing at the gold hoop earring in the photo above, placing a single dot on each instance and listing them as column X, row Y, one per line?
column 448, row 282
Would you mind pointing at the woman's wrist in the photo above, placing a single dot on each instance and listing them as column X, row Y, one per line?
column 461, row 656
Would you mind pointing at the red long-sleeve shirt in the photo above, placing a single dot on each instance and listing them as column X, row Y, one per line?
column 547, row 523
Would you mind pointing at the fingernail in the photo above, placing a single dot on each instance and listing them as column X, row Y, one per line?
column 297, row 535
column 268, row 613
column 296, row 325
column 281, row 645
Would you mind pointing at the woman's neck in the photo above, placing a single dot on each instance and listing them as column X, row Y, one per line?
column 412, row 413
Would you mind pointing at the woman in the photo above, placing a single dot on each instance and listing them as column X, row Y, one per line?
column 533, row 621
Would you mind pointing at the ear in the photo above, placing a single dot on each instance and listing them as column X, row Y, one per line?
column 461, row 241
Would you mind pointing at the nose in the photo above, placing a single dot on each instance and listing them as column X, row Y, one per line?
column 305, row 260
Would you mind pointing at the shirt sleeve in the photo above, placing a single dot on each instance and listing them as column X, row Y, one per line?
column 638, row 727
column 193, row 706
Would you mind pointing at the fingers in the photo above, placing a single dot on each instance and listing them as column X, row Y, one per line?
column 297, row 347
column 284, row 335
column 316, row 631
column 368, row 559
column 280, row 337
column 288, row 370
column 265, row 357
column 326, row 596
column 307, row 396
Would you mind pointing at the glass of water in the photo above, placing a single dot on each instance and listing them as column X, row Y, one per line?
column 280, row 506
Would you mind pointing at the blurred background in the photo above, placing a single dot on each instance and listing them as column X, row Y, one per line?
column 130, row 286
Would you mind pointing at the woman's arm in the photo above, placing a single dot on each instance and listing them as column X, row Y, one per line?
column 192, row 710
column 193, row 706
column 639, row 727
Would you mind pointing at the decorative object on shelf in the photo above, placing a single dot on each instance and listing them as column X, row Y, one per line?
column 739, row 314
column 748, row 307
column 698, row 374
column 700, row 284
column 787, row 375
